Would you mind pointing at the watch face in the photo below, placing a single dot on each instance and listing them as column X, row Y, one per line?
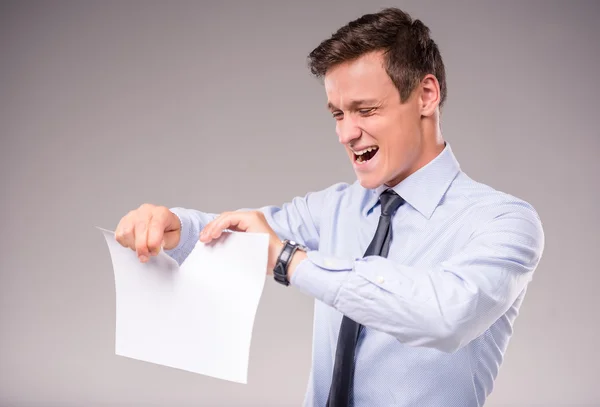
column 299, row 246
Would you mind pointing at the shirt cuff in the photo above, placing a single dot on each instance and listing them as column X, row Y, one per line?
column 188, row 238
column 321, row 276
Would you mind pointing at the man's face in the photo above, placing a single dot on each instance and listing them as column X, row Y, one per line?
column 382, row 136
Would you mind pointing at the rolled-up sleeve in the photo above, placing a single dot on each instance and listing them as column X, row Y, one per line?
column 445, row 306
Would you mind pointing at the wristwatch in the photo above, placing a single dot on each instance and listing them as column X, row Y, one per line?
column 283, row 261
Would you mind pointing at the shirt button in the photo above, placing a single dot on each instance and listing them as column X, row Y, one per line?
column 380, row 280
column 328, row 263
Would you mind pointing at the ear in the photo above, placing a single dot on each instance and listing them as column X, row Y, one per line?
column 430, row 95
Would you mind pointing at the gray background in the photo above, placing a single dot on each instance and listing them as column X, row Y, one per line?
column 209, row 105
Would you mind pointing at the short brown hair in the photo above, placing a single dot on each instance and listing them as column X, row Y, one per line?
column 410, row 53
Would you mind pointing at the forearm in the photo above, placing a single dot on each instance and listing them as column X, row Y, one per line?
column 297, row 220
column 442, row 306
column 285, row 226
column 420, row 307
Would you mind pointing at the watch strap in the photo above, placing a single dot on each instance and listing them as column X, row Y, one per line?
column 283, row 261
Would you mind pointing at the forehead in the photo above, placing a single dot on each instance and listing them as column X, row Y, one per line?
column 362, row 78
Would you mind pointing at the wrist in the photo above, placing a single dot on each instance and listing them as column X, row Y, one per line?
column 275, row 249
column 290, row 255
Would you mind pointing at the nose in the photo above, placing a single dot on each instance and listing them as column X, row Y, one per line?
column 347, row 130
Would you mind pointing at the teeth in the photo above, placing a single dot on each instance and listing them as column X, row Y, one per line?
column 366, row 150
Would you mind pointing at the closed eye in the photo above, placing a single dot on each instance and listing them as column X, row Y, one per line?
column 366, row 112
column 338, row 114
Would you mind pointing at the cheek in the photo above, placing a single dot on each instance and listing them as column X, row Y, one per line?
column 401, row 143
column 396, row 138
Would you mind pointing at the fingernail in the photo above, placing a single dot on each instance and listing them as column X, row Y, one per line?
column 143, row 258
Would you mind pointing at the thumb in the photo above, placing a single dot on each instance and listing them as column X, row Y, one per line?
column 170, row 240
column 172, row 232
column 164, row 232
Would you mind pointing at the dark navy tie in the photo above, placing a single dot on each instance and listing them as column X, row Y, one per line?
column 343, row 369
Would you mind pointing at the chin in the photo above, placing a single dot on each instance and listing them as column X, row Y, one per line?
column 369, row 182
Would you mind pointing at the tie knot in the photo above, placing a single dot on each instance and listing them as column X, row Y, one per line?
column 390, row 201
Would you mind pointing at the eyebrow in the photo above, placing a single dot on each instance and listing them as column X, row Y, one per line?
column 355, row 104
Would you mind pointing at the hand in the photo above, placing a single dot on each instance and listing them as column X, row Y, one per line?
column 244, row 221
column 147, row 229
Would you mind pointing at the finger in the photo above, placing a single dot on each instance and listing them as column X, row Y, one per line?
column 210, row 227
column 208, row 230
column 225, row 221
column 217, row 229
column 141, row 235
column 156, row 230
column 205, row 232
column 125, row 232
column 233, row 221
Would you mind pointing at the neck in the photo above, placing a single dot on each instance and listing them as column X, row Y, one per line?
column 432, row 140
column 432, row 144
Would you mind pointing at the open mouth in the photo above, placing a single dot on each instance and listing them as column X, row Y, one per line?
column 365, row 155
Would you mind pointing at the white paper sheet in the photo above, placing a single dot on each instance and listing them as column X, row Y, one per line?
column 196, row 317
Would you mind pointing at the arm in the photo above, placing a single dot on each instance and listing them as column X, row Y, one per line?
column 297, row 220
column 444, row 307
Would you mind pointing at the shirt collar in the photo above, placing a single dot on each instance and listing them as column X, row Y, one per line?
column 424, row 189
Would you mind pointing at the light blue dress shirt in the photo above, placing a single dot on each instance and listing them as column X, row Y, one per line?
column 438, row 311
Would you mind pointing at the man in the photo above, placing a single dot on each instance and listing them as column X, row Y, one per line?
column 418, row 270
